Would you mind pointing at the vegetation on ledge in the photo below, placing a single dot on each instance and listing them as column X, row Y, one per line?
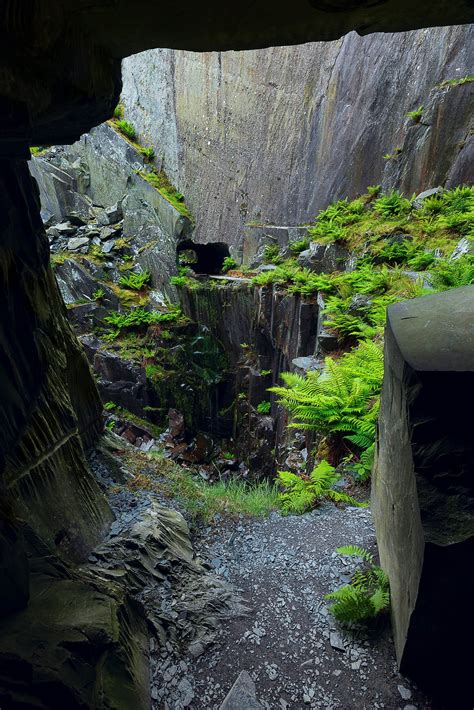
column 200, row 499
column 161, row 182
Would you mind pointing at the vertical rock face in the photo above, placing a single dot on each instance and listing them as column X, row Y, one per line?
column 280, row 132
column 422, row 495
column 49, row 405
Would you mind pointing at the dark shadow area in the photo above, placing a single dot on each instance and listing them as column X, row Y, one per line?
column 202, row 258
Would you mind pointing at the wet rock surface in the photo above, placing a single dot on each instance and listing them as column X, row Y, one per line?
column 291, row 647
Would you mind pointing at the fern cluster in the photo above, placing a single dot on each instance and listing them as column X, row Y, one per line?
column 139, row 317
column 342, row 401
column 271, row 254
column 302, row 493
column 136, row 282
column 368, row 593
column 228, row 264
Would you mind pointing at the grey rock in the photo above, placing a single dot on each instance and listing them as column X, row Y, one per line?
column 404, row 692
column 77, row 243
column 76, row 283
column 419, row 199
column 106, row 232
column 359, row 303
column 110, row 215
column 267, row 267
column 354, row 159
column 323, row 258
column 108, row 246
column 463, row 247
column 336, row 641
column 77, row 219
column 65, row 228
column 242, row 695
column 303, row 364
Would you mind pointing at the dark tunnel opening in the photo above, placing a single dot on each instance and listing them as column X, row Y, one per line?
column 202, row 258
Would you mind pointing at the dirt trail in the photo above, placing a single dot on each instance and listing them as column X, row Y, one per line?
column 289, row 643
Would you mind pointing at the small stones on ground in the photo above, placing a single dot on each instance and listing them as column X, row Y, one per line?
column 336, row 641
column 77, row 242
column 404, row 692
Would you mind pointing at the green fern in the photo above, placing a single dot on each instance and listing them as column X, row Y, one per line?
column 136, row 282
column 343, row 399
column 368, row 593
column 302, row 493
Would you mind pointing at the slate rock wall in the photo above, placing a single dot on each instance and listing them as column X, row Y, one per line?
column 275, row 134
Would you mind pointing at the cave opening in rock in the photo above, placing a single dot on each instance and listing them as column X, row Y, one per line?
column 202, row 258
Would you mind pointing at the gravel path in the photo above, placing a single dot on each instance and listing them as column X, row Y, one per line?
column 288, row 642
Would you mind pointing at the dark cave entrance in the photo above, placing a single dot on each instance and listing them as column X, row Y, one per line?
column 202, row 258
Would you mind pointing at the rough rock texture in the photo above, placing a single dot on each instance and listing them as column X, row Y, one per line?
column 281, row 132
column 99, row 170
column 242, row 695
column 262, row 332
column 49, row 404
column 422, row 491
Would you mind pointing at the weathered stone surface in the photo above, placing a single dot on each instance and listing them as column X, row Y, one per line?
column 464, row 246
column 422, row 493
column 76, row 283
column 418, row 201
column 110, row 164
column 60, row 189
column 48, row 399
column 338, row 110
column 76, row 243
column 74, row 45
column 110, row 215
column 323, row 258
column 242, row 695
column 120, row 381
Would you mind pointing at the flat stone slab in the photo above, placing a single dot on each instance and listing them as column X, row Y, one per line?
column 242, row 695
column 436, row 333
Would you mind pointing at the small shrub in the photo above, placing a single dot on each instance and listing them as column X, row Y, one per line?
column 453, row 274
column 302, row 493
column 374, row 190
column 416, row 115
column 271, row 254
column 98, row 294
column 264, row 373
column 264, row 407
column 139, row 318
column 118, row 111
column 109, row 406
column 178, row 280
column 136, row 282
column 127, row 129
column 148, row 154
column 228, row 264
column 368, row 593
column 342, row 401
column 392, row 205
column 299, row 246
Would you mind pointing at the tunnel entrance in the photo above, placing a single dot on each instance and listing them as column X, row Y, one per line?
column 202, row 258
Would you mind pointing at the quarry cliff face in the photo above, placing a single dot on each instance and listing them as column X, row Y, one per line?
column 273, row 135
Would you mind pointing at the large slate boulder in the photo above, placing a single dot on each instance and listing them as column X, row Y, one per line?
column 324, row 258
column 422, row 492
